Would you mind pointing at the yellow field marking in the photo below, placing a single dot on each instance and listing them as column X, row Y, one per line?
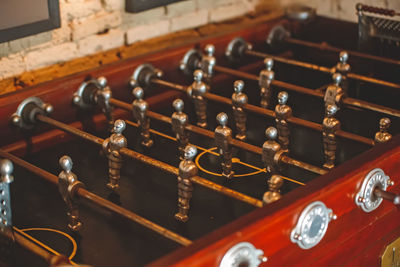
column 22, row 232
column 210, row 151
column 219, row 174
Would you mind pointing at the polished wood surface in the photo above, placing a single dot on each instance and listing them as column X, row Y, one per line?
column 269, row 228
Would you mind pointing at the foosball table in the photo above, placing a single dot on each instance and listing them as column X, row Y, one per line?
column 272, row 144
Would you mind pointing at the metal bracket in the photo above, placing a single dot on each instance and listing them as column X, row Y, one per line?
column 243, row 254
column 191, row 61
column 236, row 48
column 365, row 198
column 312, row 225
column 84, row 97
column 26, row 112
column 143, row 74
column 276, row 36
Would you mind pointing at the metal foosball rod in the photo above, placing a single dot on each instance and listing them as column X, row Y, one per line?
column 326, row 47
column 194, row 59
column 145, row 75
column 36, row 111
column 51, row 259
column 237, row 143
column 91, row 197
column 346, row 100
column 150, row 161
column 246, row 50
column 279, row 34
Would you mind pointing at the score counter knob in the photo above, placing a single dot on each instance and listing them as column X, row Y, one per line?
column 373, row 191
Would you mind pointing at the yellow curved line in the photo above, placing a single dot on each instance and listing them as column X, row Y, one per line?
column 41, row 244
column 218, row 174
column 259, row 170
column 74, row 245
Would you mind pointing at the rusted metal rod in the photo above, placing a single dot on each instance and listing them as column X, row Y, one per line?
column 153, row 162
column 348, row 101
column 322, row 69
column 326, row 47
column 268, row 113
column 234, row 142
column 85, row 194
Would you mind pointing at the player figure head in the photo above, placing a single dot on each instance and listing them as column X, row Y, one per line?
column 343, row 57
column 66, row 163
column 138, row 93
column 190, row 152
column 238, row 86
column 271, row 133
column 178, row 105
column 222, row 119
column 102, row 81
column 209, row 49
column 269, row 63
column 119, row 126
column 331, row 110
column 337, row 78
column 384, row 124
column 198, row 75
column 283, row 97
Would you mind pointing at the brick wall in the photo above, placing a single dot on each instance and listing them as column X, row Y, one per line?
column 91, row 26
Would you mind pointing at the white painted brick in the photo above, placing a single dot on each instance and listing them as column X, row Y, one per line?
column 95, row 24
column 50, row 56
column 4, row 49
column 101, row 42
column 63, row 34
column 145, row 17
column 231, row 11
column 111, row 5
column 189, row 20
column 28, row 43
column 210, row 4
column 180, row 8
column 80, row 8
column 143, row 32
column 12, row 65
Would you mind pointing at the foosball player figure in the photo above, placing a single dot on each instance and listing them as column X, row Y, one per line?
column 383, row 135
column 208, row 62
column 111, row 148
column 334, row 93
column 139, row 109
column 343, row 68
column 270, row 150
column 68, row 184
column 330, row 126
column 223, row 136
column 274, row 193
column 239, row 100
column 265, row 80
column 103, row 96
column 179, row 121
column 196, row 92
column 187, row 170
column 282, row 113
